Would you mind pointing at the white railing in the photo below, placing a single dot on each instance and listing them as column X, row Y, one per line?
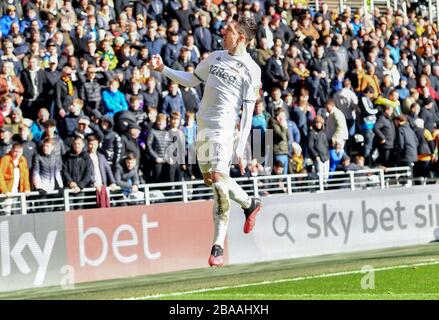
column 187, row 191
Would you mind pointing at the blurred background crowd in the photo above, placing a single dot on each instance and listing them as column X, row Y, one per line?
column 80, row 107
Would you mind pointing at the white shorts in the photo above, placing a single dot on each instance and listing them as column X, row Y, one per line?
column 214, row 151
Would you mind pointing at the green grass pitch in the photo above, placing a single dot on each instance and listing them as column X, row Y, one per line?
column 398, row 273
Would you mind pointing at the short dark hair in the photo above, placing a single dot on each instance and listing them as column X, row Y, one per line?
column 17, row 145
column 50, row 123
column 48, row 140
column 130, row 156
column 92, row 137
column 246, row 25
column 278, row 163
column 278, row 111
column 368, row 89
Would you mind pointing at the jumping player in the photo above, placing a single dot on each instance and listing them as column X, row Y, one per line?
column 232, row 80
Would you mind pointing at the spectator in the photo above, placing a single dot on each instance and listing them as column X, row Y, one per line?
column 65, row 92
column 276, row 102
column 111, row 144
column 171, row 50
column 370, row 79
column 7, row 20
column 385, row 132
column 297, row 162
column 15, row 175
column 152, row 95
column 114, row 100
column 426, row 147
column 173, row 101
column 34, row 82
column 50, row 131
column 69, row 123
column 202, row 35
column 77, row 169
column 347, row 101
column 137, row 109
column 157, row 143
column 127, row 178
column 429, row 115
column 37, row 128
column 46, row 172
column 5, row 140
column 318, row 147
column 406, row 142
column 191, row 99
column 176, row 155
column 190, row 135
column 103, row 175
column 281, row 137
column 368, row 119
column 90, row 91
column 336, row 127
column 107, row 54
column 153, row 42
column 24, row 137
column 336, row 155
column 53, row 76
column 129, row 141
column 274, row 68
column 10, row 83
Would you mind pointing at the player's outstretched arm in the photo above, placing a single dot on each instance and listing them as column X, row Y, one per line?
column 184, row 78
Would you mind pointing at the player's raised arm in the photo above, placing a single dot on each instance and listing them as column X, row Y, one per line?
column 184, row 78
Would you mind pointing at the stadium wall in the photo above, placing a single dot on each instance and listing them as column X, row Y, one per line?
column 89, row 245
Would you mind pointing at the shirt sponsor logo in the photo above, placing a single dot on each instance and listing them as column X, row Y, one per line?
column 223, row 74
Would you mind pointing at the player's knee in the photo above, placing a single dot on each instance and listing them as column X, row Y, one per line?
column 218, row 177
column 221, row 191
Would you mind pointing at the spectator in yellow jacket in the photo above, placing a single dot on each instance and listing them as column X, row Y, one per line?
column 15, row 171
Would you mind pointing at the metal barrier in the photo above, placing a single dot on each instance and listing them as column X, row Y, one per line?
column 196, row 190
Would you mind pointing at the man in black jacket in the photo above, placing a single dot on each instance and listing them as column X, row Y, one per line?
column 385, row 133
column 111, row 144
column 78, row 169
column 65, row 92
column 274, row 69
column 429, row 114
column 90, row 91
column 318, row 146
column 34, row 82
column 156, row 145
column 406, row 142
column 130, row 140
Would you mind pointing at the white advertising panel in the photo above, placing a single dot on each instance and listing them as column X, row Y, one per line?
column 302, row 225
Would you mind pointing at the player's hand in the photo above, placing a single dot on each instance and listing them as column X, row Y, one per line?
column 156, row 63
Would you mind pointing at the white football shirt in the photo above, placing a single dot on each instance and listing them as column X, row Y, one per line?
column 229, row 81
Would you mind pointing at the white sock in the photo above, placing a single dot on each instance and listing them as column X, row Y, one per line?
column 238, row 195
column 221, row 211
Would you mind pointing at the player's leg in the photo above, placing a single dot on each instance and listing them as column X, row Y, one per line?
column 204, row 155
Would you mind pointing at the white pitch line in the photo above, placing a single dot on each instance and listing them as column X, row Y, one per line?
column 324, row 275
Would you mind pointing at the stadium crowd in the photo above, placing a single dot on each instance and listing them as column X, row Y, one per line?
column 81, row 108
